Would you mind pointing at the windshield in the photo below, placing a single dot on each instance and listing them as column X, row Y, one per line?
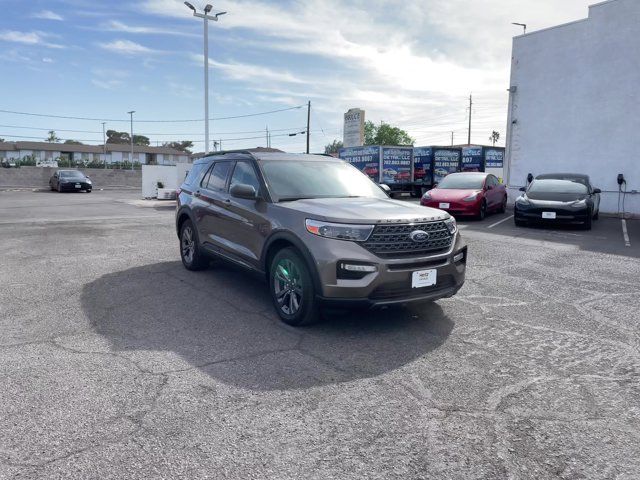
column 291, row 180
column 557, row 186
column 77, row 175
column 462, row 182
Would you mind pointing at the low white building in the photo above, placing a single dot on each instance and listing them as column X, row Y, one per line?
column 91, row 154
column 575, row 96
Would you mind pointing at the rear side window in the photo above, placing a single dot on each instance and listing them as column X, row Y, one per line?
column 194, row 173
column 217, row 179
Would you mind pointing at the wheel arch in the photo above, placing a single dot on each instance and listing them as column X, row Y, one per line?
column 280, row 240
column 182, row 216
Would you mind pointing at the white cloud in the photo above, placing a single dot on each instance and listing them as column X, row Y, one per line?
column 412, row 63
column 117, row 26
column 106, row 84
column 48, row 15
column 27, row 38
column 127, row 47
column 47, row 60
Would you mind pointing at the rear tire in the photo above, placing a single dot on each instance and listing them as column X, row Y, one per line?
column 292, row 290
column 190, row 252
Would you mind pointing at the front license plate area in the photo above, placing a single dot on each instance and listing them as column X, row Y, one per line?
column 424, row 278
column 78, row 185
column 444, row 205
column 549, row 215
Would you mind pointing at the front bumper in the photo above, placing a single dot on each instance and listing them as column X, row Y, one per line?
column 563, row 215
column 72, row 186
column 391, row 283
column 455, row 208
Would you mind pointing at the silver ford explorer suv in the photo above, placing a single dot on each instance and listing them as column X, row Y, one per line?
column 320, row 231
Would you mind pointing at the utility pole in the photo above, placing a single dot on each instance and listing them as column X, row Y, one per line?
column 470, row 111
column 104, row 146
column 452, row 139
column 308, row 122
column 267, row 135
column 131, row 114
column 206, row 17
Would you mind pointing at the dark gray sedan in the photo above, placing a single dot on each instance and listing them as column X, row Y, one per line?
column 70, row 181
column 558, row 198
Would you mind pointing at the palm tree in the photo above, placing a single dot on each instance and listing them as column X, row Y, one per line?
column 495, row 136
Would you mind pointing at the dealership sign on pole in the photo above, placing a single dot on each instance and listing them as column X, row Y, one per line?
column 353, row 133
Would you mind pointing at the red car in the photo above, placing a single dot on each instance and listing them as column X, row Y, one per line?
column 467, row 193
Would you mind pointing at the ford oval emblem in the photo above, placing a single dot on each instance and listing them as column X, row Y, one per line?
column 419, row 236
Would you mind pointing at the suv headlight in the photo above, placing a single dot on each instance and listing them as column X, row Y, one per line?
column 451, row 225
column 579, row 203
column 340, row 231
column 522, row 200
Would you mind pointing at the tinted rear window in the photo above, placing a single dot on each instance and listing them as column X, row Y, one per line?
column 194, row 174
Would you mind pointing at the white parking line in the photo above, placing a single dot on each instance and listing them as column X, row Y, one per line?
column 625, row 233
column 501, row 221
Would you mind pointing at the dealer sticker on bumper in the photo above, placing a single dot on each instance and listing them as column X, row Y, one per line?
column 549, row 215
column 444, row 205
column 424, row 278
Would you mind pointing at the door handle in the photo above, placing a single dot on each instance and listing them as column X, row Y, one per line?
column 227, row 203
column 197, row 193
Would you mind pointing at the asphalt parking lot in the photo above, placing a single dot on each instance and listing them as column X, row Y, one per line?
column 116, row 362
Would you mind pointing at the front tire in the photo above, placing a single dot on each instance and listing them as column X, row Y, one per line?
column 190, row 252
column 292, row 290
column 483, row 210
column 587, row 222
column 503, row 207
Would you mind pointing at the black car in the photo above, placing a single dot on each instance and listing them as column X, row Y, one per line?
column 558, row 198
column 70, row 180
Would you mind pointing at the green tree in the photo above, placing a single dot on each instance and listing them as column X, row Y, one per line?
column 495, row 136
column 184, row 146
column 333, row 147
column 73, row 142
column 52, row 137
column 385, row 134
column 114, row 136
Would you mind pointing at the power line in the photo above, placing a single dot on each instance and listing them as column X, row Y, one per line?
column 151, row 121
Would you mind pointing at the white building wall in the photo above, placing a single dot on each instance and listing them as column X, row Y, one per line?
column 575, row 108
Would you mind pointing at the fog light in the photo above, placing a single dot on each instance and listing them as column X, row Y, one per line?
column 458, row 257
column 358, row 268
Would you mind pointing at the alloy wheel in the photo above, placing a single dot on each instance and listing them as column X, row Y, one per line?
column 287, row 286
column 188, row 245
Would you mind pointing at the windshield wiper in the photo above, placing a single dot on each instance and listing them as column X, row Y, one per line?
column 293, row 199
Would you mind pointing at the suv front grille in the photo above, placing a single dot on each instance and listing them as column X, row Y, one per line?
column 394, row 241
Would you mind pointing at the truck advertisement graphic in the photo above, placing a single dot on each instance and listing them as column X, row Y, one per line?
column 365, row 159
column 472, row 160
column 494, row 157
column 396, row 165
column 445, row 161
column 423, row 164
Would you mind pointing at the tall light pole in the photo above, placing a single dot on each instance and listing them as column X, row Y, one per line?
column 206, row 17
column 131, row 114
column 104, row 146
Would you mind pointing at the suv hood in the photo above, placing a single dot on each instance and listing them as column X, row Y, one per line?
column 364, row 210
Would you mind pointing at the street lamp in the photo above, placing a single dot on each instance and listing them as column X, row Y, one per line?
column 206, row 17
column 523, row 25
column 131, row 114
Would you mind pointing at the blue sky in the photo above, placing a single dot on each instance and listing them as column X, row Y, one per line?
column 410, row 63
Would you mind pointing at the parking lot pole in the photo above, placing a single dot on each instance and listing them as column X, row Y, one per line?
column 308, row 122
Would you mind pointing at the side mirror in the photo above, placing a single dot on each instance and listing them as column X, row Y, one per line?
column 597, row 190
column 523, row 189
column 385, row 187
column 241, row 190
column 530, row 178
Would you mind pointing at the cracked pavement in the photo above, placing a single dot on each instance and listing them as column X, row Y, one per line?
column 116, row 362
